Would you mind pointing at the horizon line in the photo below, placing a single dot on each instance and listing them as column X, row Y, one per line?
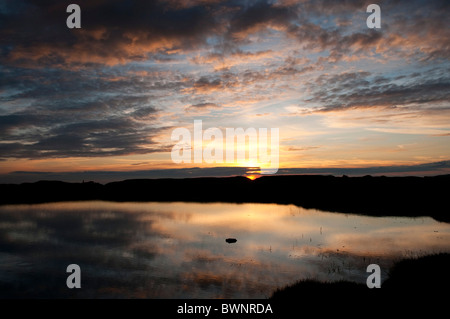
column 105, row 176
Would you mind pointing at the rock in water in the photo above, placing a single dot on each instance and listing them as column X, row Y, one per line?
column 231, row 240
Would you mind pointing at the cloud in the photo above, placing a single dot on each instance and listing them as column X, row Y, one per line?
column 224, row 59
column 205, row 85
column 305, row 148
column 111, row 176
column 259, row 17
column 13, row 122
column 201, row 107
column 101, row 137
column 117, row 32
column 361, row 90
column 144, row 113
column 434, row 168
column 263, row 114
column 112, row 32
column 62, row 113
column 419, row 35
column 396, row 120
column 442, row 134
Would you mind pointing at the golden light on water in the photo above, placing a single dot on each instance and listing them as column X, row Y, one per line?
column 184, row 244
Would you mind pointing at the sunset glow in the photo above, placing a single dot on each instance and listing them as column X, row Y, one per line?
column 252, row 177
column 107, row 96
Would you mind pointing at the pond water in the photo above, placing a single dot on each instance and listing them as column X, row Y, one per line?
column 178, row 250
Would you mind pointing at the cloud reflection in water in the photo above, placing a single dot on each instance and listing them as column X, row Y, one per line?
column 178, row 250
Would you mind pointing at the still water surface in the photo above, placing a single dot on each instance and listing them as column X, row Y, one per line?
column 178, row 250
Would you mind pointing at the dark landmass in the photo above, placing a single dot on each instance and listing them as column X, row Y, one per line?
column 103, row 177
column 411, row 284
column 376, row 196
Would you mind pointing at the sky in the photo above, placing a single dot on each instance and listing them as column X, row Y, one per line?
column 106, row 97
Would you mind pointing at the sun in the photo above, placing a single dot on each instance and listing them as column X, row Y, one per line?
column 252, row 177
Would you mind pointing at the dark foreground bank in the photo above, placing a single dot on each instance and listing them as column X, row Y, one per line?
column 377, row 196
column 412, row 284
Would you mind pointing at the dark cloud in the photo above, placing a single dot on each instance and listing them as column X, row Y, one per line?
column 420, row 34
column 111, row 176
column 104, row 137
column 258, row 17
column 15, row 121
column 427, row 169
column 317, row 38
column 144, row 113
column 64, row 113
column 205, row 84
column 112, row 32
column 360, row 89
column 202, row 106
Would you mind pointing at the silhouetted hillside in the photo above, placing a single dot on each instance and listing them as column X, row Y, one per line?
column 378, row 196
